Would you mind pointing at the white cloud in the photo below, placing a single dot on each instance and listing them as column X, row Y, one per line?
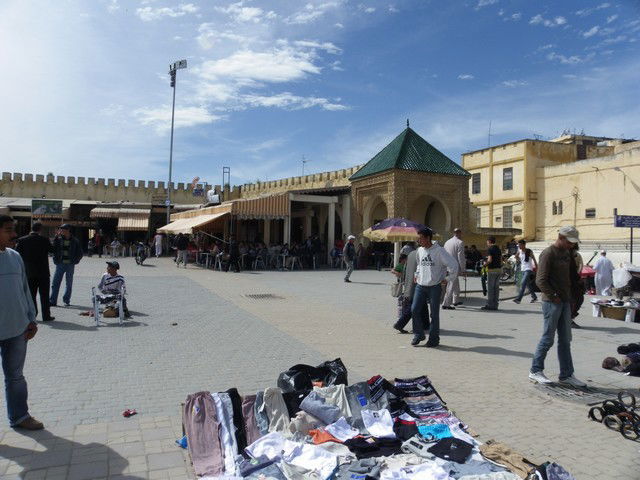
column 465, row 76
column 113, row 6
column 392, row 9
column 160, row 118
column 209, row 36
column 545, row 47
column 588, row 11
column 365, row 9
column 239, row 13
column 591, row 32
column 485, row 3
column 339, row 25
column 572, row 60
column 289, row 101
column 311, row 12
column 612, row 18
column 326, row 46
column 336, row 66
column 515, row 83
column 148, row 14
column 553, row 22
column 512, row 18
column 177, row 37
column 611, row 41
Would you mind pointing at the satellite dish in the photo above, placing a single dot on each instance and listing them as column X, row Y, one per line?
column 213, row 197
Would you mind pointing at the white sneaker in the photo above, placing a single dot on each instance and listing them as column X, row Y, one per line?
column 539, row 377
column 573, row 381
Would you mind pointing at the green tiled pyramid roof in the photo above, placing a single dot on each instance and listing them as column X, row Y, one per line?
column 409, row 151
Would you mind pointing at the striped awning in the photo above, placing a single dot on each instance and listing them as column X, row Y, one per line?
column 191, row 224
column 271, row 207
column 106, row 212
column 133, row 223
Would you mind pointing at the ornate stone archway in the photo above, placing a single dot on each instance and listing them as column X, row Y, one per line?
column 430, row 210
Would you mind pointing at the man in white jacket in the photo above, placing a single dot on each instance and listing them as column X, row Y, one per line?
column 604, row 274
column 454, row 247
column 435, row 268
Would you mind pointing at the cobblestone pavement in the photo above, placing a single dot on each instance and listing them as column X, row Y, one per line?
column 81, row 377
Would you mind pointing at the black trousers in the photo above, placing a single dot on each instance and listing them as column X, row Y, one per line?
column 41, row 284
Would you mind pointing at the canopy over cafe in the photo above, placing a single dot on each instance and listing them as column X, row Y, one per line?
column 408, row 178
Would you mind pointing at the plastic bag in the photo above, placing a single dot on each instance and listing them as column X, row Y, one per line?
column 300, row 377
column 621, row 277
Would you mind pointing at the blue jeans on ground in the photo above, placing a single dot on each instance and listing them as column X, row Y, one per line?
column 421, row 297
column 14, row 352
column 528, row 277
column 557, row 317
column 62, row 270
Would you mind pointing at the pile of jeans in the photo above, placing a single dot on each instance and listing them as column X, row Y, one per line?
column 376, row 429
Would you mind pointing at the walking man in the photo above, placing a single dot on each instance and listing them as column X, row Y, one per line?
column 349, row 256
column 604, row 274
column 527, row 266
column 67, row 253
column 234, row 255
column 455, row 247
column 182, row 244
column 34, row 250
column 17, row 327
column 407, row 294
column 157, row 241
column 554, row 280
column 494, row 269
column 435, row 267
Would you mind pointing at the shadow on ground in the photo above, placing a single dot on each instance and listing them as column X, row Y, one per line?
column 487, row 350
column 59, row 452
column 457, row 333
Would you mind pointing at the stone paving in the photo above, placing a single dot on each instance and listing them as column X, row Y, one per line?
column 81, row 377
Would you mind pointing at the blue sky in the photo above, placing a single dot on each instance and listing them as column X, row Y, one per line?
column 86, row 91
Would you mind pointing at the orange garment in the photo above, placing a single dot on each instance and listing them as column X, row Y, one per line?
column 320, row 435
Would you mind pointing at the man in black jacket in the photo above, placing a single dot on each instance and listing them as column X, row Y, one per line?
column 67, row 253
column 34, row 250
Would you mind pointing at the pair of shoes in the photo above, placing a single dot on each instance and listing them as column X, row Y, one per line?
column 346, row 280
column 515, row 300
column 432, row 344
column 534, row 300
column 448, row 308
column 575, row 325
column 573, row 381
column 539, row 377
column 458, row 303
column 487, row 307
column 417, row 340
column 30, row 424
column 50, row 319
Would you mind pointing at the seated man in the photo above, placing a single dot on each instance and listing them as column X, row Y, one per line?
column 111, row 283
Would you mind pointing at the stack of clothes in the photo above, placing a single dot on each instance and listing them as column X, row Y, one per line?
column 369, row 430
column 628, row 364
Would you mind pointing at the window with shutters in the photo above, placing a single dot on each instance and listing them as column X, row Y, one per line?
column 507, row 179
column 507, row 217
column 475, row 183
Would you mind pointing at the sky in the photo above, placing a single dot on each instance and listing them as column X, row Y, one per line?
column 85, row 84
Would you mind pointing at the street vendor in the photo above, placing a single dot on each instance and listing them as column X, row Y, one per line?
column 604, row 274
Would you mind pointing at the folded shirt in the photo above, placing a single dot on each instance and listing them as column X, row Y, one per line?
column 316, row 405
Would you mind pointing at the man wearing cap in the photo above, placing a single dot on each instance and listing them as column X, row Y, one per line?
column 554, row 280
column 455, row 247
column 113, row 283
column 67, row 253
column 435, row 267
column 604, row 274
column 349, row 256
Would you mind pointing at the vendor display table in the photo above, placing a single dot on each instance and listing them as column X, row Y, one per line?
column 628, row 314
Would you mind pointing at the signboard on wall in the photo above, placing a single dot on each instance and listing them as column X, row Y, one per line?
column 627, row 221
column 47, row 208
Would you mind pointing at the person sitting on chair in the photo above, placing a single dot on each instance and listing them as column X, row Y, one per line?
column 112, row 283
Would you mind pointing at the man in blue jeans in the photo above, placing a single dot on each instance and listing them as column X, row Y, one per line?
column 528, row 265
column 554, row 280
column 17, row 327
column 435, row 267
column 67, row 253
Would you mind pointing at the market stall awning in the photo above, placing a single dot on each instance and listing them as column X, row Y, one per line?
column 273, row 206
column 106, row 212
column 191, row 224
column 133, row 223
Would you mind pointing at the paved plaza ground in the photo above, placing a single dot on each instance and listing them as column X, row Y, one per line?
column 199, row 330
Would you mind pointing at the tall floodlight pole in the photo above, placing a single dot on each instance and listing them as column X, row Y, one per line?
column 173, row 68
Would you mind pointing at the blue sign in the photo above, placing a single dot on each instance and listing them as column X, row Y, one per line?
column 627, row 221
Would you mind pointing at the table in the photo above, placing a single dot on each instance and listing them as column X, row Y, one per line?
column 629, row 315
column 208, row 258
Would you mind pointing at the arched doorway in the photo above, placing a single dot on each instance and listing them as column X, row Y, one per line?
column 431, row 212
column 374, row 212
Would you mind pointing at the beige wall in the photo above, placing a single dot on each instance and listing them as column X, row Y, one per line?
column 604, row 184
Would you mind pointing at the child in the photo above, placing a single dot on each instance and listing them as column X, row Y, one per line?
column 112, row 282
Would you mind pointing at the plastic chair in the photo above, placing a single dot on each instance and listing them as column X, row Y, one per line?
column 259, row 261
column 102, row 301
column 294, row 261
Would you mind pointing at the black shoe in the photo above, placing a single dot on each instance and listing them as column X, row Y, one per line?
column 417, row 340
column 487, row 307
column 432, row 344
column 346, row 280
column 400, row 330
column 575, row 325
column 448, row 308
column 534, row 300
column 515, row 300
column 458, row 303
column 50, row 319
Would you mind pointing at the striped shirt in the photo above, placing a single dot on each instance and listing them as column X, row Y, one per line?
column 111, row 284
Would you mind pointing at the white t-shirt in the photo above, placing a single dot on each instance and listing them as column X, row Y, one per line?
column 524, row 266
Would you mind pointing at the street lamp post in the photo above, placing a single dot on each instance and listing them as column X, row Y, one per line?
column 173, row 68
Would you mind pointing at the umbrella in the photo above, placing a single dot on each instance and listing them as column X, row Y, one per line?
column 393, row 230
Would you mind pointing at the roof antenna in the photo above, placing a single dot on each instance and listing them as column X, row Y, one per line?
column 407, row 123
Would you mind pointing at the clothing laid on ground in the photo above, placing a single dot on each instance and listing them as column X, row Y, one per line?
column 504, row 455
column 276, row 410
